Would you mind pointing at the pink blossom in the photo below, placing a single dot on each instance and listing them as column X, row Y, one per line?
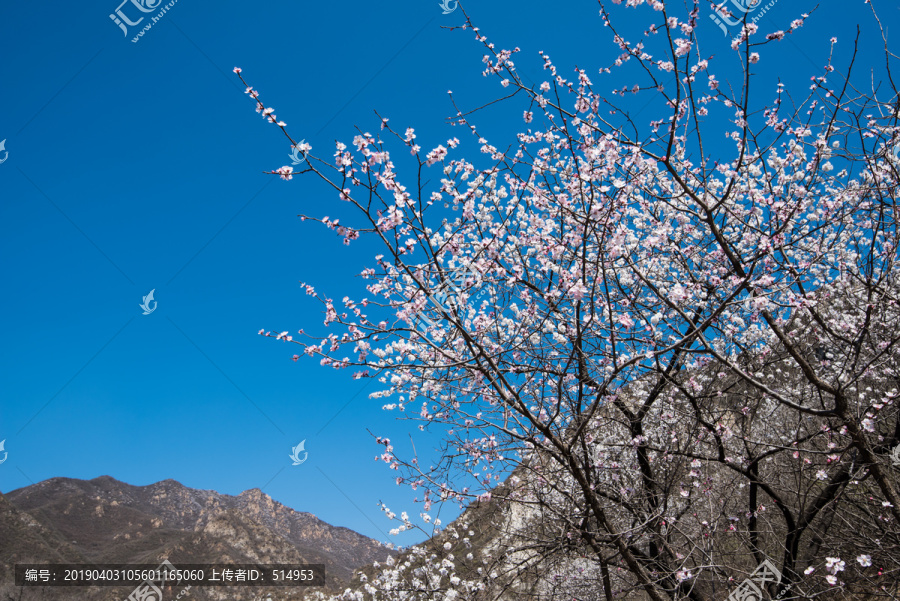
column 438, row 154
column 834, row 564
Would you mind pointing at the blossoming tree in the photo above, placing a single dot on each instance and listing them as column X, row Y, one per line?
column 680, row 356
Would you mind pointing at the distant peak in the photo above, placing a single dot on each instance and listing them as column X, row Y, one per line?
column 105, row 478
column 170, row 482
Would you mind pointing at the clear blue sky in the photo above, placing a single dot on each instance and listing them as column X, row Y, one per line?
column 139, row 166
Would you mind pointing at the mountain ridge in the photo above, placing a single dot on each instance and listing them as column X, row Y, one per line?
column 104, row 520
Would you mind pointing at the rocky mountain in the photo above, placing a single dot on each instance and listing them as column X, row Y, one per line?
column 106, row 521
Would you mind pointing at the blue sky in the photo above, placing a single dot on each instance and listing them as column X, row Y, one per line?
column 139, row 166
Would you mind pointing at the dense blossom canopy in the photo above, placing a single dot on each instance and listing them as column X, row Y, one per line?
column 683, row 350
